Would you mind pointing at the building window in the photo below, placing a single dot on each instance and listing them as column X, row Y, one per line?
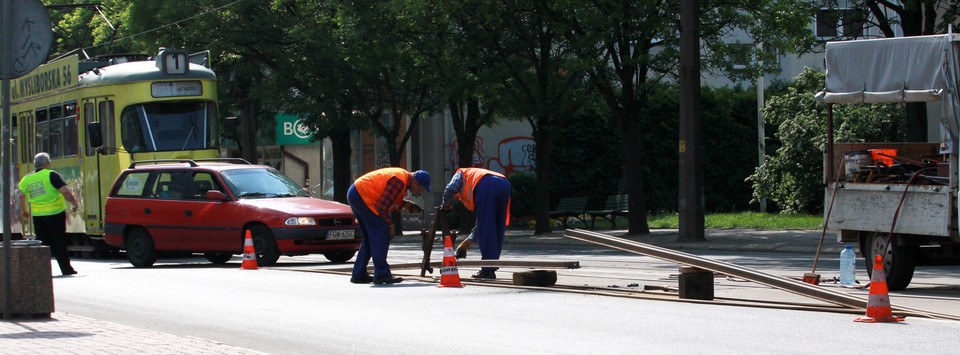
column 840, row 24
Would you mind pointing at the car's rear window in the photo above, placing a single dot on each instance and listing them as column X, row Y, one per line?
column 132, row 185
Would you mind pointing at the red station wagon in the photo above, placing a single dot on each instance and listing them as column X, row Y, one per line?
column 208, row 205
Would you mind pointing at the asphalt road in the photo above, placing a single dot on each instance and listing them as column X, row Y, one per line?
column 279, row 310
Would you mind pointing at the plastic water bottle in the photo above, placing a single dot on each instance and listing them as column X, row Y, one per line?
column 848, row 260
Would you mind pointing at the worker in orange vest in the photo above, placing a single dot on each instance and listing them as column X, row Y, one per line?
column 488, row 194
column 372, row 197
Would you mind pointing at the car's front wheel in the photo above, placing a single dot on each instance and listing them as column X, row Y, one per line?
column 339, row 256
column 140, row 248
column 218, row 258
column 264, row 245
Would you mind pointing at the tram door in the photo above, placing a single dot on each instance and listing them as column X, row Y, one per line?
column 99, row 165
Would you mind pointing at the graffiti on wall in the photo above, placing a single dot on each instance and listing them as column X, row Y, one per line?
column 514, row 154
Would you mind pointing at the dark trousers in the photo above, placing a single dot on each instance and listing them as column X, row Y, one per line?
column 52, row 232
column 492, row 198
column 376, row 238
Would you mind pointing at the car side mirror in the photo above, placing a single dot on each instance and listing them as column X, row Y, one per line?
column 215, row 195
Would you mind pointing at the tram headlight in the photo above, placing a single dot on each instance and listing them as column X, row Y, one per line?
column 301, row 221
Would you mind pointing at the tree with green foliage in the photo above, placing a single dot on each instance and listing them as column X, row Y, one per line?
column 543, row 80
column 793, row 177
column 633, row 48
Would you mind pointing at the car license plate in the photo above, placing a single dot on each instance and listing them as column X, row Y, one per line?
column 340, row 234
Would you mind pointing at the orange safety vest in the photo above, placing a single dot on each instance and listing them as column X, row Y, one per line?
column 472, row 176
column 371, row 185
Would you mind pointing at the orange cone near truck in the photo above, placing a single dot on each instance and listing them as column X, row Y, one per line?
column 878, row 304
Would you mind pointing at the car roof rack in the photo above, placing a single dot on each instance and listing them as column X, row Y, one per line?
column 192, row 162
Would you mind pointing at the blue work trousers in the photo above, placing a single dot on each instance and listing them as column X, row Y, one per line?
column 491, row 200
column 376, row 238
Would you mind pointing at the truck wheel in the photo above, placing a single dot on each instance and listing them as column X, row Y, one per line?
column 899, row 261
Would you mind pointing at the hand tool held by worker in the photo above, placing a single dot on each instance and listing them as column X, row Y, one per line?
column 463, row 247
column 411, row 207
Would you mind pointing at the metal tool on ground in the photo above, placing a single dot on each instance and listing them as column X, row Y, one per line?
column 449, row 275
column 249, row 254
column 878, row 304
column 813, row 277
column 428, row 237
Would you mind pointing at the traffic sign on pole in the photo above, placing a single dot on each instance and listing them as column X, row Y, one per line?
column 25, row 39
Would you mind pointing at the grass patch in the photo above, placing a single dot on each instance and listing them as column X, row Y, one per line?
column 753, row 220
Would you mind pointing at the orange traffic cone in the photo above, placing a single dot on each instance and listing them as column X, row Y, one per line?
column 878, row 304
column 249, row 255
column 449, row 275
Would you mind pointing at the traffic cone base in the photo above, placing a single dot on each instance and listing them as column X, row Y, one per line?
column 449, row 275
column 878, row 304
column 249, row 254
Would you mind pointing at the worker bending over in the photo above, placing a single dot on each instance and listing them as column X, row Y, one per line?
column 372, row 197
column 488, row 194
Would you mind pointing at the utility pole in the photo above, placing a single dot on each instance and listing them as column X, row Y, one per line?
column 691, row 152
column 761, row 131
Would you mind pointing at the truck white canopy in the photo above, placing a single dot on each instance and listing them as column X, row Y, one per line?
column 891, row 70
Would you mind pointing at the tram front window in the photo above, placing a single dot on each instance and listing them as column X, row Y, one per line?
column 169, row 126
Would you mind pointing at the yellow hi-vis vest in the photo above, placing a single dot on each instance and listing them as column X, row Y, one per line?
column 45, row 200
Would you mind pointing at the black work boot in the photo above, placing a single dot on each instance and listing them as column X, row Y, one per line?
column 485, row 274
column 365, row 279
column 386, row 281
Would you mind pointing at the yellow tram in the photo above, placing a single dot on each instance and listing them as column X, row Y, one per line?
column 139, row 107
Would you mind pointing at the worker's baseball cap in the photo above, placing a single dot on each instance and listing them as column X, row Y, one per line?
column 423, row 178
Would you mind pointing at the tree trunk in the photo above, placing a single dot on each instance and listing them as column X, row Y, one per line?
column 341, row 165
column 248, row 128
column 634, row 176
column 544, row 138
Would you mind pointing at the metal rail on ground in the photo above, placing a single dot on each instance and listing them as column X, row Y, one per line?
column 778, row 282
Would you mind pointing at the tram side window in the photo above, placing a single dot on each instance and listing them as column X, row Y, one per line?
column 71, row 143
column 42, row 140
column 27, row 132
column 107, row 123
column 89, row 116
column 56, row 132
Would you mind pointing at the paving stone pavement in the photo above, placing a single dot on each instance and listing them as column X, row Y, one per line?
column 64, row 333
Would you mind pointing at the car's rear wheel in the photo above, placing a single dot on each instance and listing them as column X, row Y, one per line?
column 218, row 258
column 140, row 248
column 340, row 256
column 265, row 245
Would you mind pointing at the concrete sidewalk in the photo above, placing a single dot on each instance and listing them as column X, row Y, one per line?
column 70, row 334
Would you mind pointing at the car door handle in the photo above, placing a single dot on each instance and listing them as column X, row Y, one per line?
column 147, row 210
column 188, row 213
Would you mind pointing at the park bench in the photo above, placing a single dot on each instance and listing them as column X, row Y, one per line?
column 570, row 207
column 617, row 205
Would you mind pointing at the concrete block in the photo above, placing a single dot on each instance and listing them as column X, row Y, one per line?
column 696, row 283
column 31, row 283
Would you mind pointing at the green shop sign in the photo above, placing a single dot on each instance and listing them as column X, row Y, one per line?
column 291, row 130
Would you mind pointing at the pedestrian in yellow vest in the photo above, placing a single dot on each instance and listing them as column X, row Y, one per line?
column 372, row 197
column 47, row 194
column 488, row 194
